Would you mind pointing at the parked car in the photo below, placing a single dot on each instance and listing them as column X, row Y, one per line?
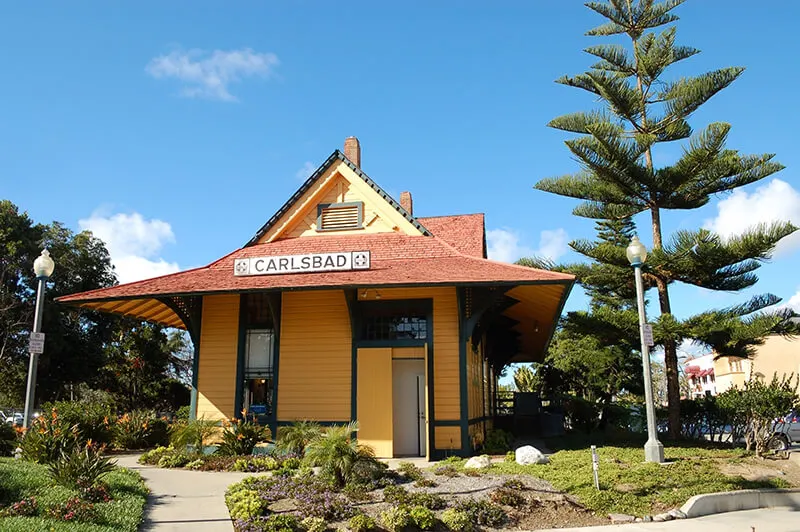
column 15, row 419
column 786, row 431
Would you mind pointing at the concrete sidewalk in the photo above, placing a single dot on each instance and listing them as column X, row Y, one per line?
column 183, row 500
column 764, row 520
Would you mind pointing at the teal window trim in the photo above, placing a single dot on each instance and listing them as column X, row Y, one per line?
column 322, row 206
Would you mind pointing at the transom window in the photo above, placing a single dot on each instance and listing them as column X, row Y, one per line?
column 340, row 216
column 394, row 326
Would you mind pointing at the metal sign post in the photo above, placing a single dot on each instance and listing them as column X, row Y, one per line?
column 595, row 467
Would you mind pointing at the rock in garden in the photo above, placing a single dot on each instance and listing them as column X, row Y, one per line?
column 677, row 514
column 478, row 462
column 283, row 505
column 528, row 455
column 621, row 518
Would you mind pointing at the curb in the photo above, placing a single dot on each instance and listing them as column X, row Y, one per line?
column 734, row 501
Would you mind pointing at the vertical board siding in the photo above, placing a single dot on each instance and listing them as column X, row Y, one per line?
column 216, row 376
column 315, row 357
column 375, row 403
column 446, row 399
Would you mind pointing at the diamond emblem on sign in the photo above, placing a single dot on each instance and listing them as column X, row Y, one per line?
column 361, row 260
column 241, row 267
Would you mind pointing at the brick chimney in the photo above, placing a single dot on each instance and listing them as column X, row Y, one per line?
column 352, row 150
column 406, row 203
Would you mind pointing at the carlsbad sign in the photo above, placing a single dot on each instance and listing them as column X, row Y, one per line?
column 314, row 262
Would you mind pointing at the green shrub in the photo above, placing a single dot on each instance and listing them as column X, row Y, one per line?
column 183, row 413
column 281, row 523
column 340, row 455
column 294, row 438
column 425, row 483
column 506, row 497
column 400, row 495
column 410, row 471
column 8, row 439
column 472, row 472
column 314, row 524
column 453, row 460
column 357, row 492
column 195, row 432
column 140, row 429
column 423, row 518
column 457, row 520
column 395, row 518
column 239, row 437
column 482, row 512
column 152, row 456
column 244, row 503
column 291, row 463
column 498, row 441
column 82, row 466
column 511, row 456
column 175, row 459
column 361, row 523
column 47, row 438
column 514, row 484
column 74, row 509
column 195, row 465
column 217, row 463
column 446, row 471
column 255, row 464
column 94, row 420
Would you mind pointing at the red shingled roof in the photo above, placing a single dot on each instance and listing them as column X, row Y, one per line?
column 396, row 260
column 465, row 232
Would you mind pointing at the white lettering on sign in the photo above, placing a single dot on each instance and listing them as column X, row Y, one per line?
column 314, row 262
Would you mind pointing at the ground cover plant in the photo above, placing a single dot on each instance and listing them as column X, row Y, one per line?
column 29, row 500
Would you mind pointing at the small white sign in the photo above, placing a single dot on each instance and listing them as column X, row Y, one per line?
column 314, row 262
column 647, row 332
column 36, row 343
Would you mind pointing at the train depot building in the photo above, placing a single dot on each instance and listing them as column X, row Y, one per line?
column 346, row 306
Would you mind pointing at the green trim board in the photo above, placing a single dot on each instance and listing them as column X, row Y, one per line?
column 461, row 298
column 284, row 423
column 275, row 302
column 240, row 355
column 196, row 365
column 351, row 297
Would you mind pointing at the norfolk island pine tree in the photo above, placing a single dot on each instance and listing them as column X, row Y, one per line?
column 640, row 110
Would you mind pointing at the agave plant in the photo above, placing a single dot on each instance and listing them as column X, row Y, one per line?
column 338, row 453
column 294, row 438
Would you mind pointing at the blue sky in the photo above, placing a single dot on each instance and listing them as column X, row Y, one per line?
column 175, row 129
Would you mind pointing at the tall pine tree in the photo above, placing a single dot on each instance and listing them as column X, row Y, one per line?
column 640, row 109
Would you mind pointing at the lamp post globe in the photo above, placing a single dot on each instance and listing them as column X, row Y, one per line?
column 636, row 252
column 43, row 267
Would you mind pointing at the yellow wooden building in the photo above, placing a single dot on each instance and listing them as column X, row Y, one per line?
column 345, row 306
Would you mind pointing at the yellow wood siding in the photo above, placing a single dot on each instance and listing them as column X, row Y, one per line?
column 216, row 376
column 315, row 357
column 447, row 438
column 375, row 400
column 476, row 434
column 446, row 398
column 339, row 184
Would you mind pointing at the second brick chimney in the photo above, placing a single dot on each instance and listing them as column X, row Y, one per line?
column 352, row 150
column 406, row 202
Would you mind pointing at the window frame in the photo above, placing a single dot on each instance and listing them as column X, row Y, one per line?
column 322, row 206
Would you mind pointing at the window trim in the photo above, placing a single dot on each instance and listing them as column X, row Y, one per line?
column 322, row 206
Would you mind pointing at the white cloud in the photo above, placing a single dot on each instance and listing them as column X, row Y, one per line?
column 794, row 302
column 133, row 243
column 504, row 245
column 775, row 201
column 306, row 171
column 207, row 75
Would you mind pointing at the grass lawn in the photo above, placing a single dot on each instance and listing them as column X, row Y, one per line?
column 631, row 486
column 20, row 479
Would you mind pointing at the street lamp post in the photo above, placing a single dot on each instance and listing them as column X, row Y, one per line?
column 653, row 449
column 43, row 267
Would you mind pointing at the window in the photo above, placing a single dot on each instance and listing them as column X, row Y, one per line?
column 400, row 326
column 339, row 216
column 258, row 372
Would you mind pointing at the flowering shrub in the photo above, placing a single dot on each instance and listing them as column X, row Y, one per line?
column 83, row 466
column 48, row 437
column 361, row 523
column 73, row 509
column 26, row 507
column 240, row 437
column 140, row 429
column 395, row 518
column 255, row 464
column 273, row 523
column 457, row 520
column 423, row 518
column 97, row 492
column 94, row 420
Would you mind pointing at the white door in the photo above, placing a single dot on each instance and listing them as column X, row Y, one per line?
column 408, row 407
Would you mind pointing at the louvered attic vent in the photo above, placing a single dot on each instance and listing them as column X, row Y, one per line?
column 339, row 216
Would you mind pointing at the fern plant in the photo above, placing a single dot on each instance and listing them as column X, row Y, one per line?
column 241, row 436
column 294, row 438
column 338, row 453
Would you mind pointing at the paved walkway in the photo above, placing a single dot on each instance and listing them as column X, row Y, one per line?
column 182, row 500
column 764, row 520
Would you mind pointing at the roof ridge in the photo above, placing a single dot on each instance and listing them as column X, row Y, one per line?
column 453, row 215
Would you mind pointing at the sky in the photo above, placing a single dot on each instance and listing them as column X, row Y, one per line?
column 174, row 130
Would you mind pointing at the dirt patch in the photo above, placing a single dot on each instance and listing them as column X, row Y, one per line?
column 756, row 469
column 558, row 511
